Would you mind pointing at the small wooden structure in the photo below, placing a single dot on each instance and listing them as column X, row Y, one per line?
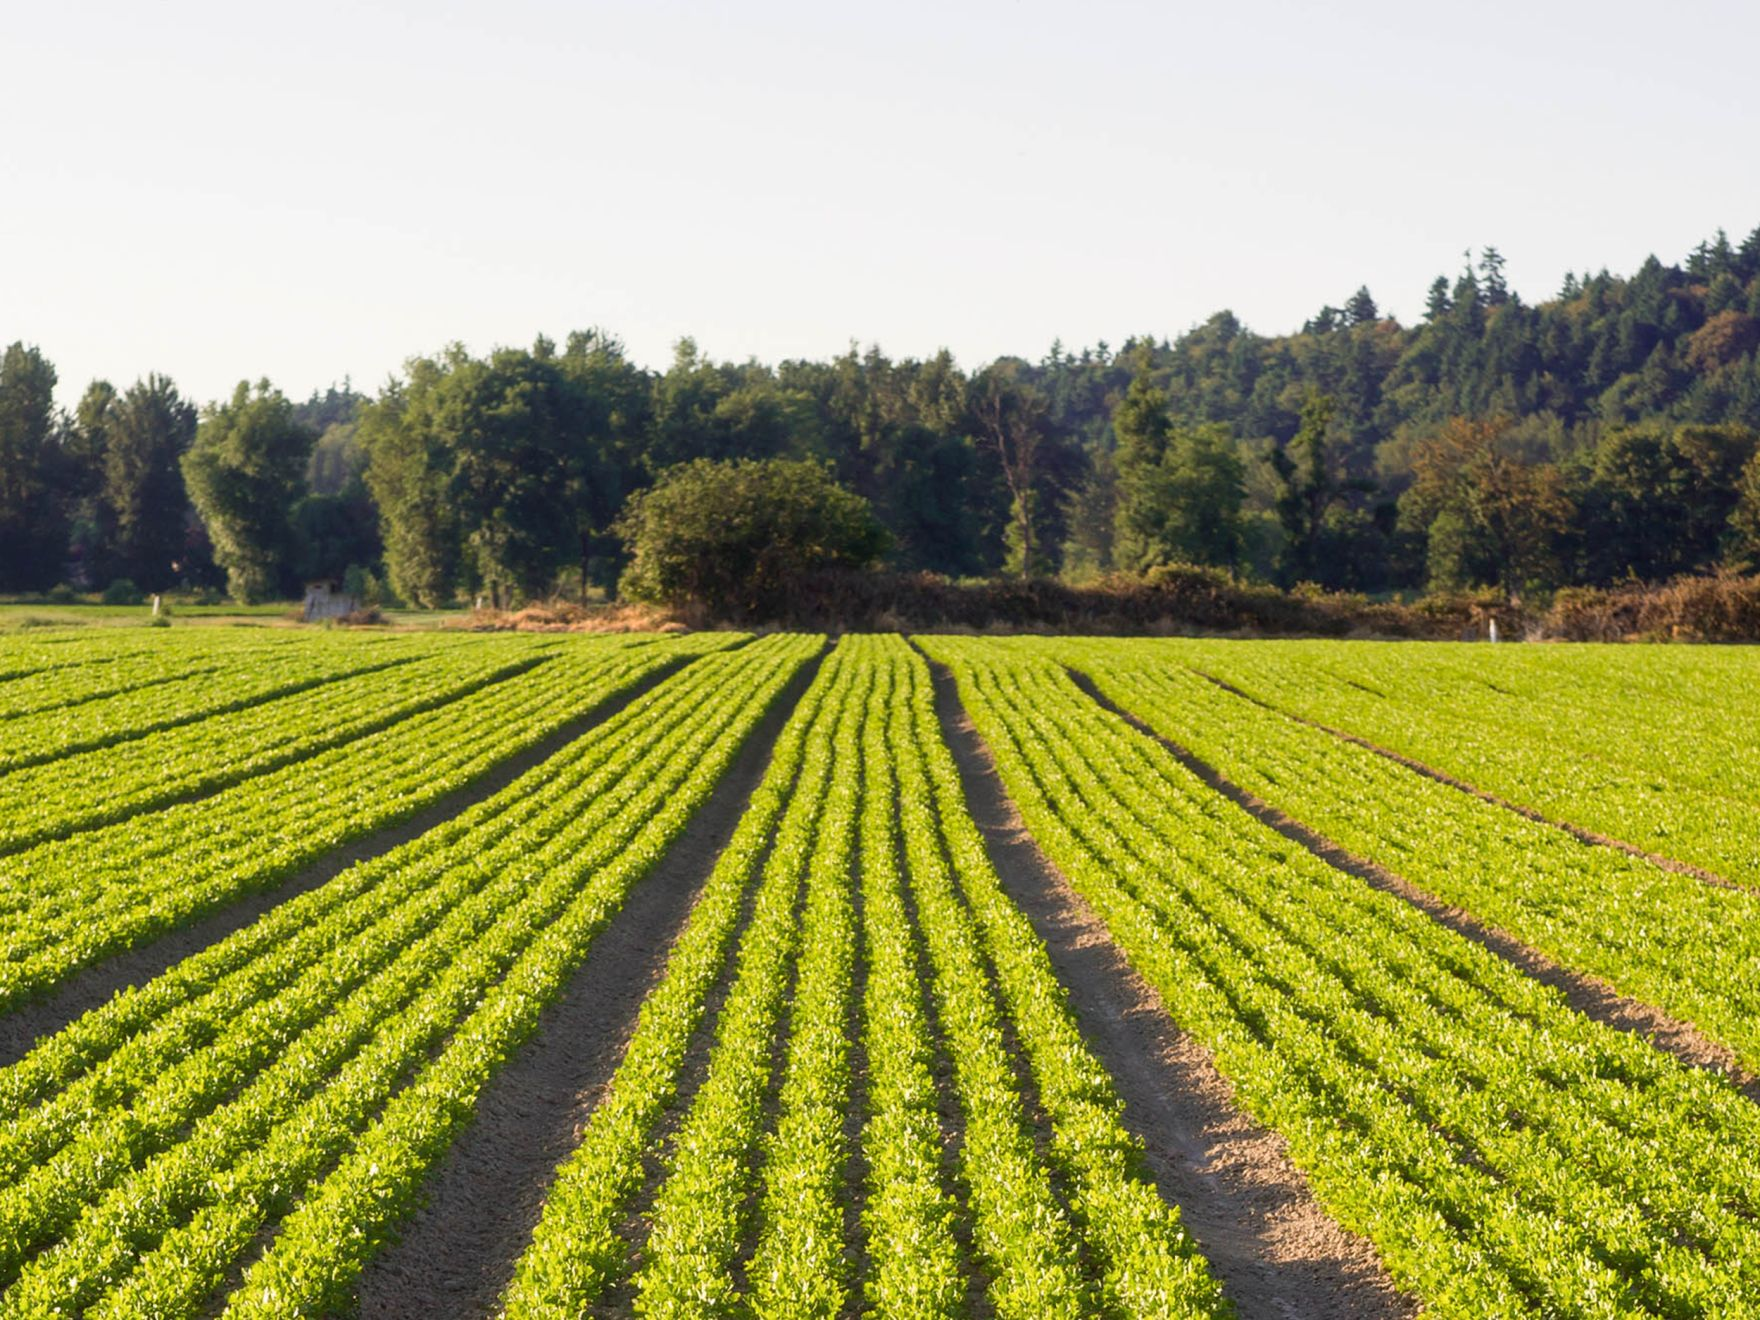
column 327, row 600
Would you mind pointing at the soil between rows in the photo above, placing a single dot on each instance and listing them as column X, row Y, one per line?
column 1275, row 1250
column 93, row 986
column 1589, row 995
column 456, row 1255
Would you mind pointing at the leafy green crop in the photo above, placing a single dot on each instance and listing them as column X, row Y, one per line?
column 1668, row 938
column 69, row 903
column 1660, row 750
column 175, row 1138
column 1505, row 1154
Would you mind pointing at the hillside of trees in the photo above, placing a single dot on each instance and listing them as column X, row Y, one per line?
column 1607, row 434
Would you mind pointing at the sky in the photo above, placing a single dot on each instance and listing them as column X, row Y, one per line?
column 318, row 191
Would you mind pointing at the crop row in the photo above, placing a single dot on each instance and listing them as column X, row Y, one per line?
column 697, row 1223
column 75, row 901
column 872, row 786
column 56, row 798
column 1506, row 1155
column 1670, row 939
column 36, row 653
column 67, row 687
column 228, row 682
column 916, row 1265
column 1147, row 1261
column 310, row 1100
column 577, row 1250
column 1670, row 791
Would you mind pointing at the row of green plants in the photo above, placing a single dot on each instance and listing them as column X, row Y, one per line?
column 870, row 921
column 578, row 1250
column 114, row 783
column 104, row 676
column 391, row 899
column 328, row 1086
column 799, row 1266
column 1506, row 1155
column 326, row 1242
column 1667, row 938
column 1149, row 1263
column 40, row 653
column 1666, row 766
column 1022, row 1232
column 797, row 955
column 916, row 1265
column 103, row 891
column 221, row 687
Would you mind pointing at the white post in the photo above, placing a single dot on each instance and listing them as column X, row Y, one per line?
column 1494, row 630
column 155, row 607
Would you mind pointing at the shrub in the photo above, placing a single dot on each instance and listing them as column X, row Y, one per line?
column 123, row 592
column 736, row 537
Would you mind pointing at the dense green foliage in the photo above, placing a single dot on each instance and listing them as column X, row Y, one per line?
column 734, row 536
column 1608, row 432
column 244, row 472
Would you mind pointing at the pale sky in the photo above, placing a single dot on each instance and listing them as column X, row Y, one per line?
column 220, row 191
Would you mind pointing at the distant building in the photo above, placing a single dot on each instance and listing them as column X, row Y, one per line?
column 327, row 600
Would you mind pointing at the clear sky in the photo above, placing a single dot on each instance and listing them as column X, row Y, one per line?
column 307, row 191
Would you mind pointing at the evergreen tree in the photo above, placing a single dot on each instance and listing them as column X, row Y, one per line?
column 1307, row 487
column 1437, row 303
column 33, row 528
column 1491, row 265
column 146, row 432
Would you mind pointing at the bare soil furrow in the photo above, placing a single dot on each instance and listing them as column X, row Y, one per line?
column 1276, row 1251
column 457, row 1253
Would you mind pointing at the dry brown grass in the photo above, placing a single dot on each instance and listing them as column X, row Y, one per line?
column 571, row 616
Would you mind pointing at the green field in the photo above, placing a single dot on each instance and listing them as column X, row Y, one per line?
column 445, row 974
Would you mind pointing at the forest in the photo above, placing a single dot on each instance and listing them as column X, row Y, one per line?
column 1607, row 434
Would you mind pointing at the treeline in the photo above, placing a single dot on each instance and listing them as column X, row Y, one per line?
column 1604, row 435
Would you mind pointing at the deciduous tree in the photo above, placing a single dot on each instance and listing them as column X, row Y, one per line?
column 244, row 472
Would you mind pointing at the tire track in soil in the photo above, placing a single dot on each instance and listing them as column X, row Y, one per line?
column 1589, row 995
column 456, row 1255
column 1472, row 790
column 1258, row 1223
column 94, row 986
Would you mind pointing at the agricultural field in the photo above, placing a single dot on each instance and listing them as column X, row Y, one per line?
column 434, row 974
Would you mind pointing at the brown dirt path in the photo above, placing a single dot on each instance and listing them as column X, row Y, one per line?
column 93, row 986
column 1276, row 1251
column 1589, row 995
column 457, row 1253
